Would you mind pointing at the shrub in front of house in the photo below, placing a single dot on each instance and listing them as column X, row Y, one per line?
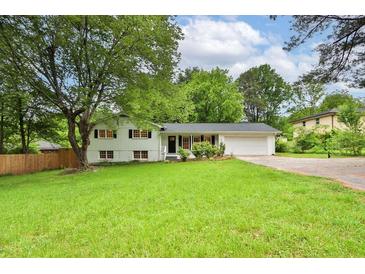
column 183, row 153
column 222, row 149
column 210, row 150
column 206, row 149
column 197, row 150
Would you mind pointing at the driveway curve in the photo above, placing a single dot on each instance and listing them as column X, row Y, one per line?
column 349, row 171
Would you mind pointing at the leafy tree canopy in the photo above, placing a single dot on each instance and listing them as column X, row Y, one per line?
column 265, row 92
column 81, row 63
column 186, row 75
column 307, row 93
column 351, row 115
column 214, row 95
column 335, row 99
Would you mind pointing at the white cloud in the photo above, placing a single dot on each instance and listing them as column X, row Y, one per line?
column 339, row 86
column 212, row 43
column 237, row 46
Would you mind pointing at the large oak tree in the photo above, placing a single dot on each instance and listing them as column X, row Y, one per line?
column 81, row 63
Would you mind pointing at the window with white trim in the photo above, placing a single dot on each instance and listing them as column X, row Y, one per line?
column 197, row 139
column 109, row 134
column 140, row 155
column 102, row 133
column 140, row 134
column 186, row 142
column 106, row 154
column 105, row 134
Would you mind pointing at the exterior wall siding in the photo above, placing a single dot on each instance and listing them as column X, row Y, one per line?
column 324, row 121
column 123, row 146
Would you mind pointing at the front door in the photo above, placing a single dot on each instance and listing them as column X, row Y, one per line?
column 172, row 144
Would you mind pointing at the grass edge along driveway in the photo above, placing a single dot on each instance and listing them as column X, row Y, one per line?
column 196, row 209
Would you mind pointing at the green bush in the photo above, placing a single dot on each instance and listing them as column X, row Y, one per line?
column 204, row 149
column 281, row 145
column 183, row 153
column 305, row 140
column 197, row 150
column 350, row 142
column 222, row 149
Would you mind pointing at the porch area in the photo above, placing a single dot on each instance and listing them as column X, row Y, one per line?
column 170, row 143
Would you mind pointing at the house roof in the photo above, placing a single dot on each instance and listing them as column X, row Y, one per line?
column 44, row 145
column 218, row 127
column 330, row 112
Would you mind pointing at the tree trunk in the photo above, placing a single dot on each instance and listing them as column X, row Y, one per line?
column 2, row 137
column 81, row 152
column 21, row 125
column 29, row 132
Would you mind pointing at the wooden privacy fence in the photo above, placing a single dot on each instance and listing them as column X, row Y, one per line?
column 27, row 163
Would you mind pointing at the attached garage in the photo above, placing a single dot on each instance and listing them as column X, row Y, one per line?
column 245, row 145
column 239, row 138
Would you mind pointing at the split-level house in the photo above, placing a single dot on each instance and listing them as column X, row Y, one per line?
column 120, row 140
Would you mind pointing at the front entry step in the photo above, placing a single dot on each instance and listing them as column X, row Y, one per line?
column 172, row 157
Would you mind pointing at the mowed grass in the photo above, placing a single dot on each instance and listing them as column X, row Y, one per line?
column 196, row 209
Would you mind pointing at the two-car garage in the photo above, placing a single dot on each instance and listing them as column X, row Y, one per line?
column 246, row 145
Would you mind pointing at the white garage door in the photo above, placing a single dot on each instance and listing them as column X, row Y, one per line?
column 246, row 145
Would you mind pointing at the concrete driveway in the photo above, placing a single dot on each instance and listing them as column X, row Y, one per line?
column 349, row 171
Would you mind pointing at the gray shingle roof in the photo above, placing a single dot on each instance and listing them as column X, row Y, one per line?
column 332, row 111
column 218, row 127
column 44, row 145
column 320, row 114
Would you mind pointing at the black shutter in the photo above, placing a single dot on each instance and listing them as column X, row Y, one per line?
column 213, row 140
column 149, row 134
column 202, row 138
column 114, row 134
column 180, row 140
column 95, row 133
column 130, row 134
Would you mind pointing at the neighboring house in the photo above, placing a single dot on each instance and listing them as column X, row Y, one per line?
column 46, row 147
column 119, row 140
column 327, row 118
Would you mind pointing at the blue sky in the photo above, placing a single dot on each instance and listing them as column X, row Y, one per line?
column 240, row 42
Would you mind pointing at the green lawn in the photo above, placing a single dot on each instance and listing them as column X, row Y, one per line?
column 195, row 209
column 311, row 155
